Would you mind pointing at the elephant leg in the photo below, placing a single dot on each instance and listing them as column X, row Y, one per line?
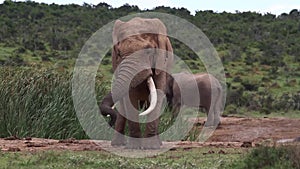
column 134, row 140
column 212, row 108
column 213, row 117
column 176, row 101
column 175, row 110
column 218, row 106
column 210, row 117
column 119, row 137
column 152, row 140
column 217, row 119
column 205, row 102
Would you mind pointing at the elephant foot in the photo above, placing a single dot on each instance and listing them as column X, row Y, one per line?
column 206, row 124
column 215, row 123
column 118, row 140
column 134, row 143
column 152, row 143
column 211, row 125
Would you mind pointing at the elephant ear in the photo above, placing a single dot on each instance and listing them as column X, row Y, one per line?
column 115, row 34
column 164, row 58
column 116, row 31
column 115, row 55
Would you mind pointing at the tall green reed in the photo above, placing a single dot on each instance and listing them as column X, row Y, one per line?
column 38, row 103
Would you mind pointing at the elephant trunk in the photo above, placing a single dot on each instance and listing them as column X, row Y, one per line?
column 129, row 74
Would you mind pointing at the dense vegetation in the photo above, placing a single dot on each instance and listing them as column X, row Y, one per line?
column 269, row 157
column 37, row 103
column 260, row 53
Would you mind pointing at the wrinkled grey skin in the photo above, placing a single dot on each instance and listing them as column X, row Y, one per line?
column 132, row 67
column 181, row 92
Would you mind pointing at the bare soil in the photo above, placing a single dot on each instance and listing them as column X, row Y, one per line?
column 233, row 132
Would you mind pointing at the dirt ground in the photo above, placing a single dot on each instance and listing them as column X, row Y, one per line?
column 233, row 132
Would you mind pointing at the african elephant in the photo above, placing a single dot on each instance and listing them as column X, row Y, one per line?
column 210, row 97
column 106, row 109
column 142, row 55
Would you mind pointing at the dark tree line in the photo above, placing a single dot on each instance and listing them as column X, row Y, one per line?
column 265, row 38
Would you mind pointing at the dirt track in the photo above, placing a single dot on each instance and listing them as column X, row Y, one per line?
column 233, row 132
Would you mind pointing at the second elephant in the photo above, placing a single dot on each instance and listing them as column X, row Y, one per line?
column 182, row 89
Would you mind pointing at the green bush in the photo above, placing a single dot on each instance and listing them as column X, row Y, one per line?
column 281, row 157
column 230, row 109
column 234, row 95
column 251, row 84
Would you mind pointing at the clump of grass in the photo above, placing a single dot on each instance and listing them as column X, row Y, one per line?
column 270, row 158
column 294, row 155
column 38, row 103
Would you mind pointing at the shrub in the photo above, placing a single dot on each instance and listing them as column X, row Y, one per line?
column 230, row 109
column 270, row 158
column 251, row 85
column 237, row 79
column 234, row 95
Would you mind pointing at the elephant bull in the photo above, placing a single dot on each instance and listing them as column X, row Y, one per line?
column 141, row 57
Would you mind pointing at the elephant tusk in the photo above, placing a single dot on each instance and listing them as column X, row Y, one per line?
column 114, row 106
column 153, row 97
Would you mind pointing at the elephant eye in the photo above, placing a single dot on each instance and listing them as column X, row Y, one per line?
column 119, row 54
